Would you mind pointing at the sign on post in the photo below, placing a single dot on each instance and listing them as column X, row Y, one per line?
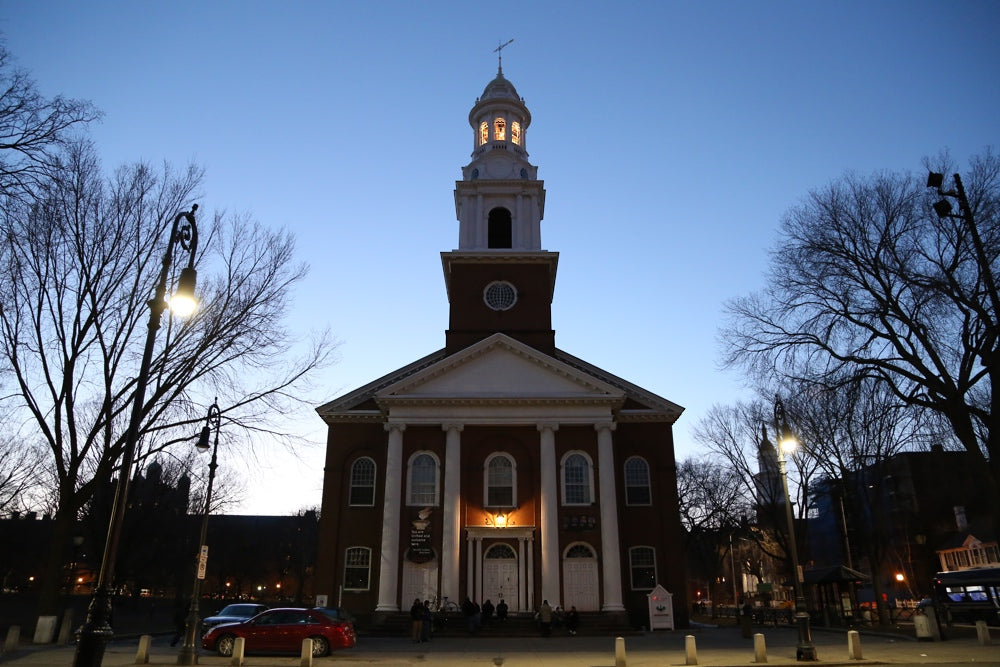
column 203, row 561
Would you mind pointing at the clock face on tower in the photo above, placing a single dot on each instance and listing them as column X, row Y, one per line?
column 500, row 295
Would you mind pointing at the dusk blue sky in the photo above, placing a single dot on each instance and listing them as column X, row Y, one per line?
column 671, row 137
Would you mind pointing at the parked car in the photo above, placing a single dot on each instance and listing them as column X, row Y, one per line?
column 232, row 613
column 282, row 631
column 337, row 613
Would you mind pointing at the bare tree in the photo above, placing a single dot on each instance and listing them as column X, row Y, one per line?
column 78, row 262
column 867, row 280
column 852, row 431
column 713, row 506
column 737, row 434
column 20, row 471
column 33, row 129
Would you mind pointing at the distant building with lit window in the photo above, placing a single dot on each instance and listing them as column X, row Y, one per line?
column 500, row 466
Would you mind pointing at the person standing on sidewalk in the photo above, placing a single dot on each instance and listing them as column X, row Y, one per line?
column 545, row 618
column 416, row 620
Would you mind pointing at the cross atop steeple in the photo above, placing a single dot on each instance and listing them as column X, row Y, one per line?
column 499, row 53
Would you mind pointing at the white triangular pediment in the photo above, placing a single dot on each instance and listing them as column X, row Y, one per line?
column 499, row 367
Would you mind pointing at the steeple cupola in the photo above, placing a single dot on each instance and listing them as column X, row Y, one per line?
column 499, row 279
column 499, row 201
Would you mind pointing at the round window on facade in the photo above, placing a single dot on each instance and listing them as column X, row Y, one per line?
column 500, row 295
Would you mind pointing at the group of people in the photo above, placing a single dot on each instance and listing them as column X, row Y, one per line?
column 549, row 618
column 421, row 621
column 476, row 616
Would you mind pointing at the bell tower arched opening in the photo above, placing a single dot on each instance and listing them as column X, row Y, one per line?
column 500, row 234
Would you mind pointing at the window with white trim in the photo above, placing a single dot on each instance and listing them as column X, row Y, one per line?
column 484, row 132
column 422, row 480
column 362, row 491
column 642, row 565
column 500, row 480
column 577, row 479
column 637, row 489
column 357, row 569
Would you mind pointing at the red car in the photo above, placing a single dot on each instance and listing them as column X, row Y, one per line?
column 282, row 631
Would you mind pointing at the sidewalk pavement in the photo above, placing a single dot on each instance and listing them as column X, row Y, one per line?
column 715, row 646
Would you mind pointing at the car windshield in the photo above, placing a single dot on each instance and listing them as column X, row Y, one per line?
column 245, row 610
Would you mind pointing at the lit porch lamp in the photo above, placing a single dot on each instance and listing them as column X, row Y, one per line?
column 786, row 445
column 189, row 651
column 500, row 518
column 96, row 631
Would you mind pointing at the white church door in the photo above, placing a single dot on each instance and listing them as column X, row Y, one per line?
column 500, row 576
column 580, row 580
column 419, row 581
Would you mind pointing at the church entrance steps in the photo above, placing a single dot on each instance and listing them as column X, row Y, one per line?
column 454, row 625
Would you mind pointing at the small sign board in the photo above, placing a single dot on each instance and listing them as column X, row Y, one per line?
column 661, row 609
column 203, row 561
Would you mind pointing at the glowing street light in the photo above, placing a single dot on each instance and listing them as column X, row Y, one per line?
column 805, row 650
column 96, row 631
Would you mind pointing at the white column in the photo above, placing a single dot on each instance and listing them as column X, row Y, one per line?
column 389, row 570
column 522, row 572
column 531, row 573
column 478, row 572
column 451, row 528
column 469, row 542
column 549, row 513
column 610, row 546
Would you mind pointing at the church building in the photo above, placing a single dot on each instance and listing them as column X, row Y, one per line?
column 500, row 466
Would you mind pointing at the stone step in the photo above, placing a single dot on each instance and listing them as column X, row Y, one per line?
column 454, row 625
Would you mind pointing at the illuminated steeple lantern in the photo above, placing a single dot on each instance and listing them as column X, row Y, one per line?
column 499, row 204
column 500, row 201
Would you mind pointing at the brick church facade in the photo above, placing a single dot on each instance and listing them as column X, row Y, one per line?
column 500, row 466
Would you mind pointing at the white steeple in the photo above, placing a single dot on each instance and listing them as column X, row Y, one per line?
column 499, row 202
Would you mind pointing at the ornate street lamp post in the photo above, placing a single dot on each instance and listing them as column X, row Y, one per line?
column 787, row 443
column 96, row 631
column 189, row 652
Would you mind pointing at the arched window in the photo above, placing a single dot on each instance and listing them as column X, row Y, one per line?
column 637, row 491
column 423, row 480
column 500, row 129
column 642, row 564
column 500, row 481
column 484, row 132
column 580, row 550
column 362, row 482
column 515, row 132
column 357, row 569
column 499, row 234
column 578, row 479
column 500, row 551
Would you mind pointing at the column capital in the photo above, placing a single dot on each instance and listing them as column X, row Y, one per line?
column 601, row 426
column 452, row 426
column 548, row 426
column 394, row 426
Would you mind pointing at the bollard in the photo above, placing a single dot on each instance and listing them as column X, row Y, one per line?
column 983, row 633
column 620, row 652
column 307, row 653
column 142, row 655
column 66, row 629
column 13, row 638
column 759, row 648
column 854, row 645
column 45, row 630
column 238, row 647
column 690, row 651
